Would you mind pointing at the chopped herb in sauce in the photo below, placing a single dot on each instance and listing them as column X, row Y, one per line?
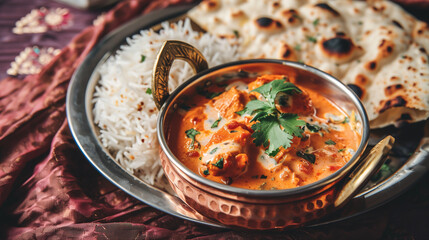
column 219, row 163
column 312, row 127
column 307, row 156
column 191, row 133
column 214, row 150
column 149, row 91
column 216, row 123
column 330, row 142
column 341, row 150
column 297, row 47
column 200, row 158
column 312, row 39
column 206, row 172
column 346, row 120
column 316, row 22
column 233, row 131
column 143, row 57
column 255, row 176
column 263, row 176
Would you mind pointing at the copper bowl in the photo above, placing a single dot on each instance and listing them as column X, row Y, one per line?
column 261, row 209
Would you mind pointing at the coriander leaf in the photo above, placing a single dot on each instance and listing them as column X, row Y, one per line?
column 312, row 39
column 316, row 22
column 216, row 123
column 219, row 163
column 191, row 133
column 346, row 120
column 269, row 134
column 291, row 124
column 143, row 57
column 307, row 156
column 206, row 172
column 312, row 128
column 330, row 142
column 241, row 112
column 149, row 91
column 341, row 150
column 263, row 176
column 297, row 47
column 257, row 105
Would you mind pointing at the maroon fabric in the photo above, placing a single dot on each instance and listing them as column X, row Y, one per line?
column 48, row 190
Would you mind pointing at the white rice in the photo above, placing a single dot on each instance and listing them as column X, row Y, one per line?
column 129, row 134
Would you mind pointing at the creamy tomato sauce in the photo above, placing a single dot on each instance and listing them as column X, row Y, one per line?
column 211, row 139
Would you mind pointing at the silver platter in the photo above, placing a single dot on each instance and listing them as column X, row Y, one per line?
column 409, row 159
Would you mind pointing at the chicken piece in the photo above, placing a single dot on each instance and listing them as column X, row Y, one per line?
column 226, row 153
column 230, row 102
column 296, row 103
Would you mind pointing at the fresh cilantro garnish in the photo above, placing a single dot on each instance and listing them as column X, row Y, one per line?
column 236, row 33
column 346, row 120
column 149, row 91
column 341, row 150
column 204, row 92
column 233, row 131
column 263, row 176
column 297, row 47
column 312, row 39
column 143, row 57
column 272, row 128
column 307, row 156
column 206, row 172
column 216, row 123
column 330, row 142
column 219, row 163
column 315, row 22
column 312, row 128
column 200, row 158
column 213, row 150
column 191, row 133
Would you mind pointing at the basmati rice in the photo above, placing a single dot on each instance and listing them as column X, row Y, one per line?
column 123, row 106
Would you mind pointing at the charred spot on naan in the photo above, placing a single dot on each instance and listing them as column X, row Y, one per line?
column 393, row 89
column 287, row 53
column 210, row 5
column 397, row 101
column 291, row 17
column 361, row 80
column 326, row 7
column 340, row 48
column 268, row 24
column 396, row 23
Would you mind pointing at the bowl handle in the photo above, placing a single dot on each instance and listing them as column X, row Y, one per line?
column 363, row 172
column 170, row 51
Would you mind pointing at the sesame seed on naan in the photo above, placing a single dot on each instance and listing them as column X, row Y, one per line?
column 375, row 47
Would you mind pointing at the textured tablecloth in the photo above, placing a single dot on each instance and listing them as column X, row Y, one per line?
column 48, row 190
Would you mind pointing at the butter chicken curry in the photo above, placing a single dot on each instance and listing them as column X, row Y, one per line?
column 261, row 133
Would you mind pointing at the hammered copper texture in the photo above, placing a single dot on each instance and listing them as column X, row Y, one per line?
column 261, row 215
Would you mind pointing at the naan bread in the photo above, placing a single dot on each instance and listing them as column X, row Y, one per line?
column 375, row 47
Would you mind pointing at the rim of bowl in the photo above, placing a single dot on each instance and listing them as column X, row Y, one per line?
column 266, row 193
